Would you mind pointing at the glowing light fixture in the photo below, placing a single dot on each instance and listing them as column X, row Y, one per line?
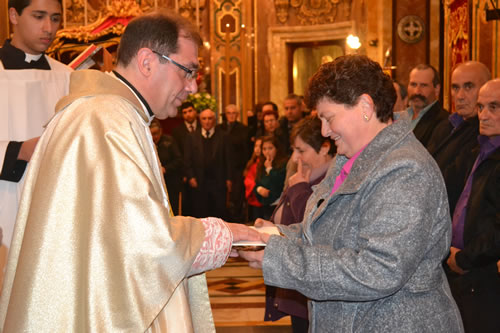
column 353, row 42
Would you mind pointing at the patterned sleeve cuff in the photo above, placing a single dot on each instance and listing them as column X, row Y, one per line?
column 215, row 248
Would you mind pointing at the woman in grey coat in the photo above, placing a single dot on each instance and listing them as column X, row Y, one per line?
column 368, row 253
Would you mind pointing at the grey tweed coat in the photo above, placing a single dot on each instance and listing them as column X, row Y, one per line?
column 369, row 256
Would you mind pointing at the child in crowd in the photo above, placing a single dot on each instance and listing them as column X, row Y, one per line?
column 250, row 174
column 271, row 172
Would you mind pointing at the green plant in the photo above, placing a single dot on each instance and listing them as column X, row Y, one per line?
column 203, row 101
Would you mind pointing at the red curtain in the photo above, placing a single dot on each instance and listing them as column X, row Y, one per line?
column 459, row 32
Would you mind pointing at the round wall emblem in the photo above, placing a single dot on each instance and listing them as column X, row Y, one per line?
column 411, row 29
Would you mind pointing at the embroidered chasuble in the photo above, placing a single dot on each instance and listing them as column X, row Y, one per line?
column 95, row 247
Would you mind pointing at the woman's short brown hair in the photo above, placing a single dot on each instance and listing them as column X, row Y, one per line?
column 348, row 77
column 309, row 130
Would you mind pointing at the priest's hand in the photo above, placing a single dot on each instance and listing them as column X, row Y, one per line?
column 255, row 258
column 27, row 149
column 242, row 232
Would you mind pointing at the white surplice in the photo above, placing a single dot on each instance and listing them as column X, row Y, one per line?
column 27, row 101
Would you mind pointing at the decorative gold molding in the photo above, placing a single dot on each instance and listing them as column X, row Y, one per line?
column 279, row 37
column 312, row 12
column 111, row 23
column 187, row 8
column 4, row 23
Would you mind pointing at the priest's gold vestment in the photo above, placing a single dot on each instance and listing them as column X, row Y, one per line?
column 95, row 248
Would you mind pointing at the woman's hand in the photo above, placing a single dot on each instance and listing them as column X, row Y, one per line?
column 259, row 223
column 302, row 175
column 264, row 192
column 254, row 258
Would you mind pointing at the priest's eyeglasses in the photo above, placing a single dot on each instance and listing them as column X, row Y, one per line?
column 189, row 73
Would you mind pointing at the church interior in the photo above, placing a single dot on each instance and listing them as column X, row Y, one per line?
column 256, row 51
column 263, row 50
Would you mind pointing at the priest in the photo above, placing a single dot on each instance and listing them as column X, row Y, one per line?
column 96, row 247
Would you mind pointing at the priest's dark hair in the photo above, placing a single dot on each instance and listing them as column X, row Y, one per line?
column 158, row 31
column 19, row 5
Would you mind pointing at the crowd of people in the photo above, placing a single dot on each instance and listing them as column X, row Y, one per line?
column 215, row 177
column 278, row 182
column 386, row 204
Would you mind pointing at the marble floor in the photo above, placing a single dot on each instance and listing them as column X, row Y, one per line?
column 237, row 295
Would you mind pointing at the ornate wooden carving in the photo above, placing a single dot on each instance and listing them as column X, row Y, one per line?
column 312, row 12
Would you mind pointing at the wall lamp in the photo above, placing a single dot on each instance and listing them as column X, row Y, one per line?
column 353, row 42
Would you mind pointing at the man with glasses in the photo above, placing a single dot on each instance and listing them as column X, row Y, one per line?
column 96, row 247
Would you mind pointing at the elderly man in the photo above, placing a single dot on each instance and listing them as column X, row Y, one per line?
column 239, row 153
column 96, row 247
column 460, row 130
column 458, row 134
column 31, row 83
column 425, row 109
column 208, row 167
column 475, row 247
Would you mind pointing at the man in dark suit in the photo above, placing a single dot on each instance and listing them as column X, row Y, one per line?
column 293, row 113
column 189, row 125
column 180, row 134
column 208, row 167
column 475, row 248
column 425, row 110
column 239, row 153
